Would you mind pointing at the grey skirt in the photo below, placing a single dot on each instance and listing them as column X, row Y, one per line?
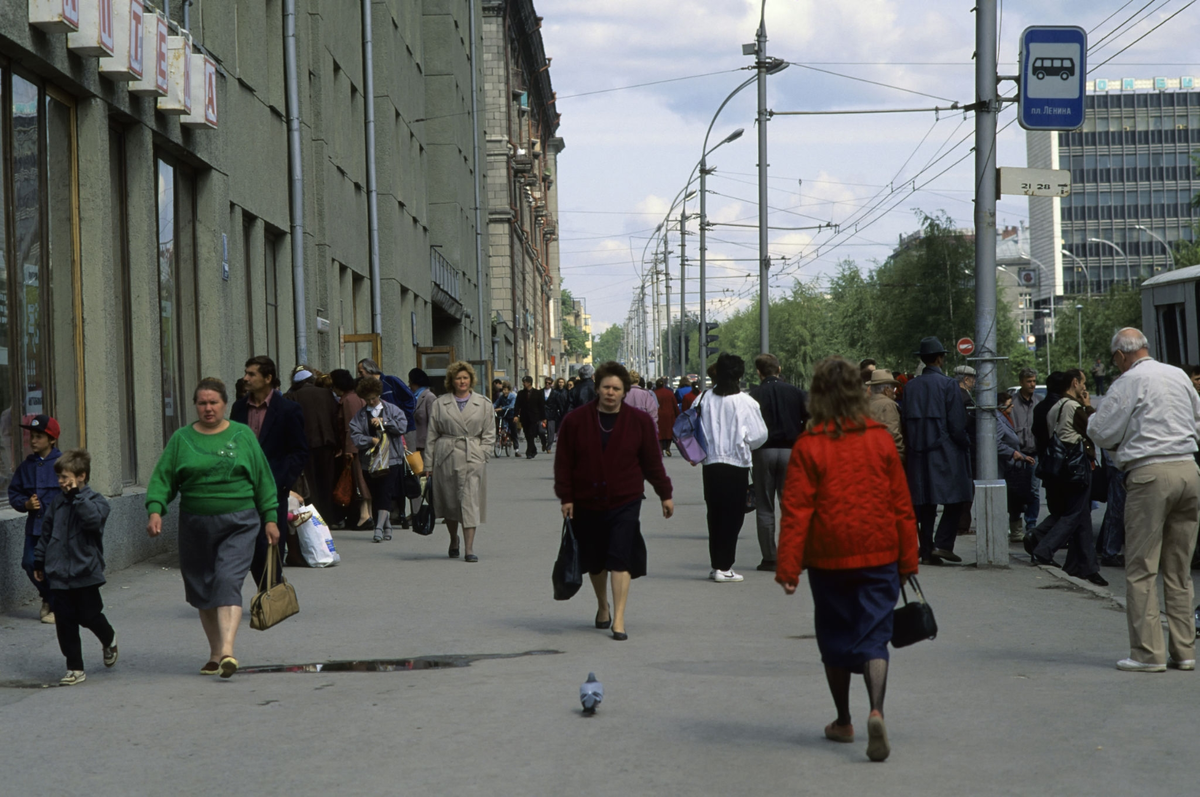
column 215, row 552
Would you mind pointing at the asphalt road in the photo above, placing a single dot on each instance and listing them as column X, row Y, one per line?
column 719, row 689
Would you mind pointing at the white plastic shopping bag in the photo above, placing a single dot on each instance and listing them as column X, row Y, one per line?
column 316, row 543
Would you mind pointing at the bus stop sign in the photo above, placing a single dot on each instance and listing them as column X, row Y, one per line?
column 1053, row 73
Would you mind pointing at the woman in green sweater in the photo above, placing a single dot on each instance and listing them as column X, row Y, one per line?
column 226, row 490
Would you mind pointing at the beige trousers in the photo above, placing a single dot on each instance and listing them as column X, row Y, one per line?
column 1161, row 513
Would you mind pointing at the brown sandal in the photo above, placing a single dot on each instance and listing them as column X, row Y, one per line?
column 211, row 668
column 839, row 733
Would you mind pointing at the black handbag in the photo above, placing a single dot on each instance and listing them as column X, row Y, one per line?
column 410, row 483
column 913, row 621
column 424, row 521
column 566, row 576
column 1067, row 465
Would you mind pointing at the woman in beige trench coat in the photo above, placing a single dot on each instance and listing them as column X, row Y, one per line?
column 461, row 434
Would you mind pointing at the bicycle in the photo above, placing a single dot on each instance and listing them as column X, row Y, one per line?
column 504, row 440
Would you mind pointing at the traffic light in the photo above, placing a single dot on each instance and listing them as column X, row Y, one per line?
column 708, row 350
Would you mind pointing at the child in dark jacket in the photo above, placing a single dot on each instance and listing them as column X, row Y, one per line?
column 69, row 559
column 33, row 487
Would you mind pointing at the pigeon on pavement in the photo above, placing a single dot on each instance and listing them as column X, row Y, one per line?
column 591, row 693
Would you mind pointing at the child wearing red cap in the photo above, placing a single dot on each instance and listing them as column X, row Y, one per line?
column 33, row 487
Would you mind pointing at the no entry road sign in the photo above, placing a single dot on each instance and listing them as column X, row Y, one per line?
column 965, row 346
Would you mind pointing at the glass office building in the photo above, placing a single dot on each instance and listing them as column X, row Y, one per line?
column 1132, row 182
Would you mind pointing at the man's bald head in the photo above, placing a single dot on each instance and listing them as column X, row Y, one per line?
column 1128, row 346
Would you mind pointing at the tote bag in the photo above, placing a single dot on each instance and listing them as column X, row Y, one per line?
column 566, row 576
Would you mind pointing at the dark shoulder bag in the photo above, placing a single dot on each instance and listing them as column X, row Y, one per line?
column 566, row 576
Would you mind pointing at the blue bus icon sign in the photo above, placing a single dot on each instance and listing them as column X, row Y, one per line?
column 1053, row 76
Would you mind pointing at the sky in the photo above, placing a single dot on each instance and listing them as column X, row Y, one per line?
column 629, row 151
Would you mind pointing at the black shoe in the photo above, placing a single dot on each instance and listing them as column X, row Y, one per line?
column 620, row 636
column 603, row 623
column 766, row 566
column 1038, row 560
column 949, row 556
column 1096, row 579
column 1119, row 561
column 931, row 560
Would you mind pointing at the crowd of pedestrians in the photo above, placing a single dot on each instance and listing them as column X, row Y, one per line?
column 906, row 441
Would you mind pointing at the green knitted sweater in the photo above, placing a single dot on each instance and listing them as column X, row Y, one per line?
column 213, row 474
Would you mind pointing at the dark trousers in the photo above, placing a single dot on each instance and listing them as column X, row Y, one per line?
column 1072, row 528
column 725, row 495
column 947, row 527
column 1034, row 506
column 27, row 566
column 1111, row 539
column 74, row 608
column 551, row 431
column 320, row 474
column 533, row 432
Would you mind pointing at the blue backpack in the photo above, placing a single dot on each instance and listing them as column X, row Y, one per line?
column 688, row 434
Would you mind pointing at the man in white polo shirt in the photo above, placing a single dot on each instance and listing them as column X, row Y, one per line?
column 1149, row 420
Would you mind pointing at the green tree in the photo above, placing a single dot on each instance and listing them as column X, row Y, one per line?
column 607, row 345
column 575, row 340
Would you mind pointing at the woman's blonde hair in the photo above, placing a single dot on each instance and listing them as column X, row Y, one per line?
column 837, row 396
column 456, row 368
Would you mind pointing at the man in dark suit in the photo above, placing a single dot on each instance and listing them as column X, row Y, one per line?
column 279, row 426
column 323, row 433
column 531, row 409
column 938, row 462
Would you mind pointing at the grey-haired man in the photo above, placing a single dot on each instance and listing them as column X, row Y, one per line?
column 1149, row 420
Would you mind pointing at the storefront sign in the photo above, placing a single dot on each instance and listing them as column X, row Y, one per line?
column 154, row 79
column 54, row 16
column 204, row 90
column 127, row 64
column 178, row 101
column 95, row 35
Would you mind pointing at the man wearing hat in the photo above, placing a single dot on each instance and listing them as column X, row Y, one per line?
column 881, row 388
column 585, row 387
column 938, row 462
column 323, row 432
column 33, row 488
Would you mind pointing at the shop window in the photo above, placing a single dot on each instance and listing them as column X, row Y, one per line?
column 178, row 333
column 40, row 356
column 123, row 304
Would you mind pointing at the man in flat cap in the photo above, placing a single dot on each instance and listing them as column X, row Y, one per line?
column 938, row 463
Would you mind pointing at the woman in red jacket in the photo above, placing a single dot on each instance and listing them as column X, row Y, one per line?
column 604, row 456
column 848, row 519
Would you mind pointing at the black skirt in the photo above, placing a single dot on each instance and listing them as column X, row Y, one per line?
column 611, row 539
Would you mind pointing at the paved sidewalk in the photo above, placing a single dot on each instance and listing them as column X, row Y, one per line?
column 719, row 689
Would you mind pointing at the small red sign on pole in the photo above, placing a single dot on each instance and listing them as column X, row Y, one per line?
column 966, row 346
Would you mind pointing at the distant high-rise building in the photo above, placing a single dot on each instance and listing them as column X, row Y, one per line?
column 1132, row 181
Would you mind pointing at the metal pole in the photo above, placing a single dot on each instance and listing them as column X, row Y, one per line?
column 703, row 309
column 990, row 492
column 670, row 346
column 481, row 321
column 296, row 165
column 764, row 260
column 372, row 191
column 1079, row 319
column 683, row 364
column 1161, row 240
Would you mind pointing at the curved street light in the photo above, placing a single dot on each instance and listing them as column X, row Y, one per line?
column 1086, row 274
column 1157, row 237
column 1128, row 267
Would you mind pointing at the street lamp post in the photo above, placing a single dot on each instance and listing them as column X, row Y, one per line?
column 1024, row 301
column 704, row 170
column 1121, row 252
column 1086, row 274
column 764, row 67
column 1158, row 238
column 1050, row 313
column 1079, row 319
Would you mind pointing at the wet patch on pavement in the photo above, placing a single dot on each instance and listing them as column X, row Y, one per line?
column 391, row 665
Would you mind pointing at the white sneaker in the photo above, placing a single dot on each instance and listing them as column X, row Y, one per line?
column 1184, row 664
column 110, row 653
column 726, row 575
column 1132, row 665
column 73, row 677
column 712, row 575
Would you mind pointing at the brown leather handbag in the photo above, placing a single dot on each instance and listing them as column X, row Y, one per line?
column 274, row 603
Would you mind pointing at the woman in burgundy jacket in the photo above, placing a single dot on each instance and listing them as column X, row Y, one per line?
column 848, row 518
column 605, row 453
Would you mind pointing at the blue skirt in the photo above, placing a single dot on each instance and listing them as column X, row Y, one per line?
column 853, row 613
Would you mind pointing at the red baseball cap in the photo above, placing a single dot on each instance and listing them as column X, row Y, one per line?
column 44, row 424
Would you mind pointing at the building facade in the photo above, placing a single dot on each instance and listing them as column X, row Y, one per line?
column 522, row 163
column 144, row 246
column 1132, row 179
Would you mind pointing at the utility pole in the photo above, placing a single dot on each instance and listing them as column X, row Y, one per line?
column 667, row 275
column 703, row 242
column 682, row 283
column 991, row 512
column 764, row 259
